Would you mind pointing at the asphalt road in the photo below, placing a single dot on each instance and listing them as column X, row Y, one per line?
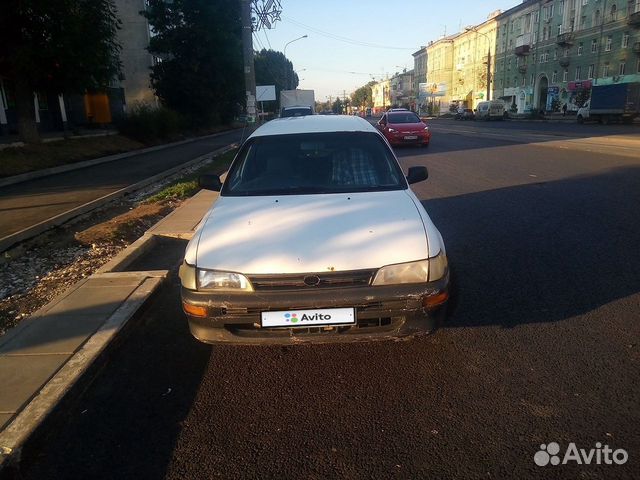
column 542, row 347
column 28, row 203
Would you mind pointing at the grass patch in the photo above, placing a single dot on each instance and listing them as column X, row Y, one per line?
column 188, row 185
column 17, row 160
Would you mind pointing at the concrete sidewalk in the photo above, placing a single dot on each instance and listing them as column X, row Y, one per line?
column 44, row 356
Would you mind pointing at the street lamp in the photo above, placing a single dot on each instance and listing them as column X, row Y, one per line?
column 488, row 60
column 286, row 72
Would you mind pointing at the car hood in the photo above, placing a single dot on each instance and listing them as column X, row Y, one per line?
column 310, row 233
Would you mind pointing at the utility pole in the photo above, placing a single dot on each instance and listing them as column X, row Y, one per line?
column 267, row 13
column 247, row 50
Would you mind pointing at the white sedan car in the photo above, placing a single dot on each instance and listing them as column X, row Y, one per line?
column 316, row 237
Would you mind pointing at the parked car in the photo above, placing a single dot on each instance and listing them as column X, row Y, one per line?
column 297, row 111
column 316, row 237
column 493, row 110
column 404, row 127
column 466, row 114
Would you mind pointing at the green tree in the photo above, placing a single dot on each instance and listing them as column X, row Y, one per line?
column 199, row 43
column 363, row 97
column 67, row 46
column 338, row 106
column 273, row 68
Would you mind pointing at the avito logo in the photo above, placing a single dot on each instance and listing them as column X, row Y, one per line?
column 293, row 317
column 601, row 455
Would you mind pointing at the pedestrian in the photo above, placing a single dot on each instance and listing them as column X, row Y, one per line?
column 564, row 110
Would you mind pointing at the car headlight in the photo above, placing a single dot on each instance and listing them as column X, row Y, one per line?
column 421, row 271
column 392, row 130
column 426, row 129
column 222, row 281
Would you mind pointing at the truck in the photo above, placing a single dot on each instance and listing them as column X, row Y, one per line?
column 297, row 98
column 617, row 102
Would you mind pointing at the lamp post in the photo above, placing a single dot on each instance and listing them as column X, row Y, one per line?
column 286, row 71
column 488, row 60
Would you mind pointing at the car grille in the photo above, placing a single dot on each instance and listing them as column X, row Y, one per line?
column 354, row 278
column 369, row 325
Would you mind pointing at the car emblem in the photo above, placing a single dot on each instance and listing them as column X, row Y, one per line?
column 312, row 280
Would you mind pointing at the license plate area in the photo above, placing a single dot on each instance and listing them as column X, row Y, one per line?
column 308, row 318
column 411, row 137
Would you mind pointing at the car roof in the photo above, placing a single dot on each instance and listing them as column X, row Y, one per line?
column 314, row 124
column 297, row 106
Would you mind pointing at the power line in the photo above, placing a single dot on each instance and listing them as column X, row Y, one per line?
column 344, row 39
column 267, row 38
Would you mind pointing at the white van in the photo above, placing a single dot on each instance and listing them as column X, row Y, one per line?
column 493, row 110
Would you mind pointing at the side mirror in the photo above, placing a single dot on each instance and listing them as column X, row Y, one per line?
column 210, row 182
column 417, row 174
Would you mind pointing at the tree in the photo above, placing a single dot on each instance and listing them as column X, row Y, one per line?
column 363, row 97
column 199, row 42
column 338, row 106
column 66, row 46
column 273, row 68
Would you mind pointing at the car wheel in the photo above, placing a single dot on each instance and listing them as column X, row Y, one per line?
column 580, row 119
column 425, row 145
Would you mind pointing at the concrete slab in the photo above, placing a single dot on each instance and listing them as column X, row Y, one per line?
column 54, row 334
column 22, row 377
column 95, row 300
column 183, row 221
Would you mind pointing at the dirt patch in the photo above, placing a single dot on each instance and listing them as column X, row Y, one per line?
column 126, row 227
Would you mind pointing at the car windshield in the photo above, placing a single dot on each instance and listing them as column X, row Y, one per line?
column 296, row 112
column 314, row 163
column 404, row 117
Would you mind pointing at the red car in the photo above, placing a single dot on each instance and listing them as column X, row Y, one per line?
column 404, row 127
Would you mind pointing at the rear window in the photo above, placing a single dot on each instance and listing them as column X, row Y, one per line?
column 296, row 112
column 314, row 163
column 403, row 117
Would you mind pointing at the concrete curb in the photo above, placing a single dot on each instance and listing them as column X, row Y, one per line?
column 34, row 230
column 89, row 163
column 13, row 437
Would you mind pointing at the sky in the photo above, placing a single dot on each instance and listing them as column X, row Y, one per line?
column 331, row 65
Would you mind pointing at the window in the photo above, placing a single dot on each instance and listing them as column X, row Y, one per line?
column 608, row 42
column 583, row 21
column 585, row 2
column 535, row 37
column 594, row 46
column 554, row 77
column 625, row 40
column 536, row 16
column 524, row 81
column 605, row 70
column 614, row 13
column 638, row 66
column 622, row 68
column 565, row 75
column 532, row 79
column 555, row 54
column 578, row 72
column 566, row 52
column 542, row 58
column 559, row 29
column 591, row 70
column 636, row 6
column 580, row 48
column 596, row 18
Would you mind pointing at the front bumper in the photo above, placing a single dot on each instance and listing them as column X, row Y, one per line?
column 423, row 138
column 382, row 312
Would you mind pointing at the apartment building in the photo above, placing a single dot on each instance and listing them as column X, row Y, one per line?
column 419, row 75
column 381, row 96
column 473, row 51
column 440, row 72
column 552, row 52
column 402, row 93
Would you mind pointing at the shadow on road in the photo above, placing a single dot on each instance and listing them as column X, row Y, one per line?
column 542, row 252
